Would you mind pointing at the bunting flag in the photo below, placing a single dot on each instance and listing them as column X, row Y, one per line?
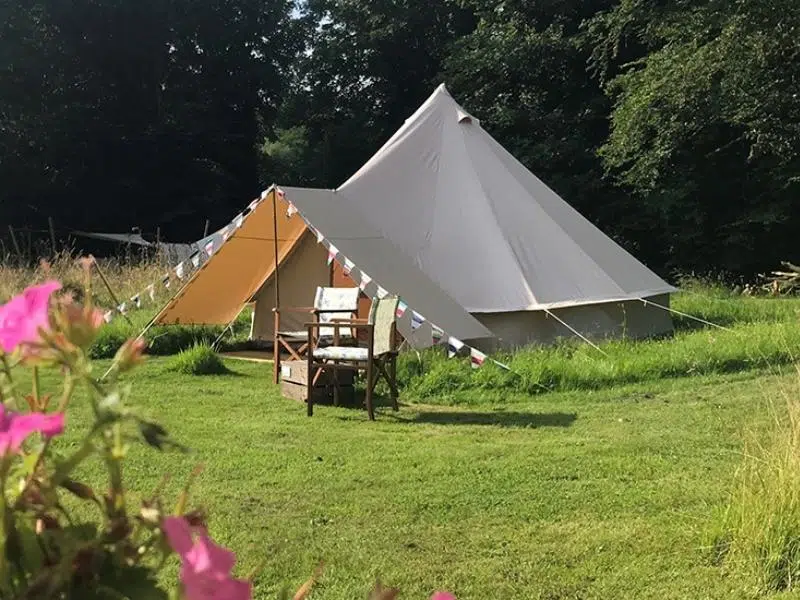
column 401, row 308
column 180, row 270
column 151, row 292
column 210, row 248
column 136, row 301
column 196, row 260
column 476, row 358
column 239, row 220
column 108, row 316
column 348, row 266
column 225, row 233
column 437, row 334
column 253, row 204
column 332, row 252
column 280, row 193
column 454, row 346
column 123, row 308
column 364, row 282
column 291, row 211
column 416, row 320
column 165, row 280
column 382, row 293
column 320, row 237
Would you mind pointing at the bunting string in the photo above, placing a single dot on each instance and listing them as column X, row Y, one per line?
column 186, row 268
column 414, row 322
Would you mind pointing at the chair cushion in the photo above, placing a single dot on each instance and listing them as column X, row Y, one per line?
column 324, row 332
column 342, row 353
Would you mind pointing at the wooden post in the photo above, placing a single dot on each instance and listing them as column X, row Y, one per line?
column 108, row 287
column 276, row 361
column 14, row 241
column 52, row 235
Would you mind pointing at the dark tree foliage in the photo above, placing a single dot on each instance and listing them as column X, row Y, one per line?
column 706, row 126
column 118, row 113
column 368, row 67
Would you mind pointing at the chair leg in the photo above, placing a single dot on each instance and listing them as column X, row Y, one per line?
column 335, row 385
column 393, row 382
column 310, row 386
column 370, row 410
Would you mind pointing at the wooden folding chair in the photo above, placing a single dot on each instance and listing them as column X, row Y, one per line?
column 329, row 303
column 378, row 358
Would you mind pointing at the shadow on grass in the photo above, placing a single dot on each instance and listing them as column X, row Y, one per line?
column 496, row 419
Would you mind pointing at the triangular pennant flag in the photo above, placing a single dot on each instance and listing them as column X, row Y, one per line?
column 365, row 281
column 210, row 248
column 225, row 234
column 416, row 320
column 264, row 195
column 291, row 211
column 382, row 293
column 332, row 252
column 196, row 260
column 239, row 220
column 437, row 333
column 320, row 237
column 151, row 292
column 280, row 193
column 348, row 266
column 123, row 308
column 165, row 280
column 108, row 316
column 476, row 358
column 180, row 270
column 454, row 346
column 137, row 301
column 401, row 308
column 252, row 206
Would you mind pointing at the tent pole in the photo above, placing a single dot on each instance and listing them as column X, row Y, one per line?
column 276, row 313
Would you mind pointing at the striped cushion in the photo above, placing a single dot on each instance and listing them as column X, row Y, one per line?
column 341, row 353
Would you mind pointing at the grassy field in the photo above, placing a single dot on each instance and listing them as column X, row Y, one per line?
column 598, row 494
column 577, row 475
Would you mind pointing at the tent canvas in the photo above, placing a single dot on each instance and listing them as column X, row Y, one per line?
column 493, row 236
column 242, row 269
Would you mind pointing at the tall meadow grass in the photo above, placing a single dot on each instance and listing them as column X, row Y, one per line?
column 758, row 533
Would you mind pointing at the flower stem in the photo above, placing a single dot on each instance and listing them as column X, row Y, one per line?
column 7, row 372
column 36, row 388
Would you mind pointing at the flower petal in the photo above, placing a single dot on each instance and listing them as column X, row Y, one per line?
column 179, row 534
column 206, row 556
column 22, row 426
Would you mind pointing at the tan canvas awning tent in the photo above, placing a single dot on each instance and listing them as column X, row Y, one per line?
column 493, row 236
column 242, row 269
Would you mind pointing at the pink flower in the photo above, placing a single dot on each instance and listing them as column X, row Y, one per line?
column 443, row 596
column 15, row 427
column 206, row 569
column 23, row 316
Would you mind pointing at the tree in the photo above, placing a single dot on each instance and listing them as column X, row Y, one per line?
column 367, row 68
column 705, row 125
column 146, row 113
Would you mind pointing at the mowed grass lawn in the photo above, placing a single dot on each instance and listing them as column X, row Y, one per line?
column 606, row 494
